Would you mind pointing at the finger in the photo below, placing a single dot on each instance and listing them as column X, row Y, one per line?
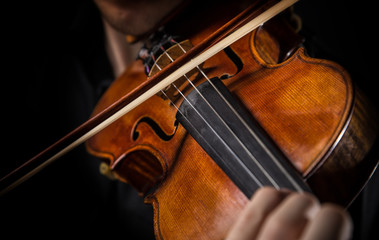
column 249, row 222
column 290, row 218
column 331, row 222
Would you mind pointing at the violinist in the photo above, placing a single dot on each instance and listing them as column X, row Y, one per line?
column 68, row 69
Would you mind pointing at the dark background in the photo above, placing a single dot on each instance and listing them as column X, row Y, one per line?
column 53, row 72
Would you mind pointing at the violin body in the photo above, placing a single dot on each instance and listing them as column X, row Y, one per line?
column 308, row 107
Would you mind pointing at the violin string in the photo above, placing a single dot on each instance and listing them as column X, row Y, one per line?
column 211, row 51
column 255, row 179
column 251, row 131
column 252, row 157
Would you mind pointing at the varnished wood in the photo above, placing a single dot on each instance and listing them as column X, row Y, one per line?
column 309, row 107
column 354, row 157
column 145, row 89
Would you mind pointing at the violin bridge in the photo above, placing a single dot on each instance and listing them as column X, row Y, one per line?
column 166, row 57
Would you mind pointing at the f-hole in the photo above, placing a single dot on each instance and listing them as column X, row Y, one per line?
column 235, row 59
column 156, row 128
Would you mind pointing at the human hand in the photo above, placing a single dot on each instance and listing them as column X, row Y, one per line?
column 273, row 214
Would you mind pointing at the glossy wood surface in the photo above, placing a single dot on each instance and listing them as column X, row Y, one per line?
column 309, row 107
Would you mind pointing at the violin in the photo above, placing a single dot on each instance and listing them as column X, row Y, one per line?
column 257, row 112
